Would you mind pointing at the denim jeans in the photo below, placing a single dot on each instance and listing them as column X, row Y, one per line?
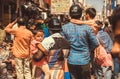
column 105, row 71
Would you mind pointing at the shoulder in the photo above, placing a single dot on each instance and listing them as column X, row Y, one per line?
column 29, row 32
column 48, row 43
column 48, row 39
column 67, row 25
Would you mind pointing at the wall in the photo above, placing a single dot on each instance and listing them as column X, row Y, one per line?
column 97, row 4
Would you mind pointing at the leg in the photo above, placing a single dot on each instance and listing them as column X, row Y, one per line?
column 107, row 71
column 33, row 71
column 85, row 72
column 19, row 68
column 98, row 72
column 27, row 71
column 73, row 69
column 38, row 73
column 116, row 67
column 45, row 69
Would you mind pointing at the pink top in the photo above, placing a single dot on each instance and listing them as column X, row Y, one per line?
column 33, row 46
column 103, row 58
column 33, row 50
column 107, row 61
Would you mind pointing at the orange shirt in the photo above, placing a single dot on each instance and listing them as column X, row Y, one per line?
column 21, row 42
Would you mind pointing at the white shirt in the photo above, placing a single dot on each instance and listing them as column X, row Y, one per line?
column 49, row 42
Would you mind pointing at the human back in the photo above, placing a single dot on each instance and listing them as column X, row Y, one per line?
column 79, row 37
column 22, row 38
column 22, row 42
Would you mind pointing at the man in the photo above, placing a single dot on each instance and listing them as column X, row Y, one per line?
column 56, row 45
column 82, row 40
column 115, row 21
column 90, row 14
column 104, row 66
column 21, row 48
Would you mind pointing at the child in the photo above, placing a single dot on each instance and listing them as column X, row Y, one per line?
column 42, row 64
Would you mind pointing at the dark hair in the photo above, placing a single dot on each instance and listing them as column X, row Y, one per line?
column 91, row 12
column 75, row 11
column 21, row 21
column 106, row 24
column 115, row 18
column 36, row 31
column 110, row 19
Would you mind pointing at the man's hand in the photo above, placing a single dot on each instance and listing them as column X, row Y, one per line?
column 40, row 21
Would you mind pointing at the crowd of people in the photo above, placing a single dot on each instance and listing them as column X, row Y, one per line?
column 53, row 50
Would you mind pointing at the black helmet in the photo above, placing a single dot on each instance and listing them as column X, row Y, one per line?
column 54, row 24
column 75, row 11
column 21, row 21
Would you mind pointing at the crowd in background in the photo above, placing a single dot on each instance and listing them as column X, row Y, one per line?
column 75, row 49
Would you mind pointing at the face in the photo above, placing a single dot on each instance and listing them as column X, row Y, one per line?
column 86, row 16
column 39, row 36
column 116, row 46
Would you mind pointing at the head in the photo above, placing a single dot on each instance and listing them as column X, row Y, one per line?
column 90, row 13
column 75, row 11
column 38, row 35
column 106, row 24
column 21, row 21
column 116, row 30
column 54, row 25
column 100, row 24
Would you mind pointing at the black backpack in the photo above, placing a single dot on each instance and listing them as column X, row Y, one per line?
column 60, row 43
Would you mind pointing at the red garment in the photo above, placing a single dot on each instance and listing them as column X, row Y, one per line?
column 41, row 62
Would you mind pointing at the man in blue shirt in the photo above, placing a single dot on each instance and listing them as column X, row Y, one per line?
column 82, row 40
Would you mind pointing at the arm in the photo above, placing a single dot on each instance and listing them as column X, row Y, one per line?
column 46, row 44
column 93, row 42
column 9, row 28
column 89, row 22
column 42, row 49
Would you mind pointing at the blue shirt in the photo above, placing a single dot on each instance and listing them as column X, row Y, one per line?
column 46, row 32
column 82, row 40
column 105, row 39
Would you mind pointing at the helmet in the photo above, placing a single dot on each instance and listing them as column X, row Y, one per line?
column 75, row 11
column 54, row 24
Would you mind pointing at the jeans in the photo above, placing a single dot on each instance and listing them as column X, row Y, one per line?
column 22, row 67
column 103, row 71
column 79, row 71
